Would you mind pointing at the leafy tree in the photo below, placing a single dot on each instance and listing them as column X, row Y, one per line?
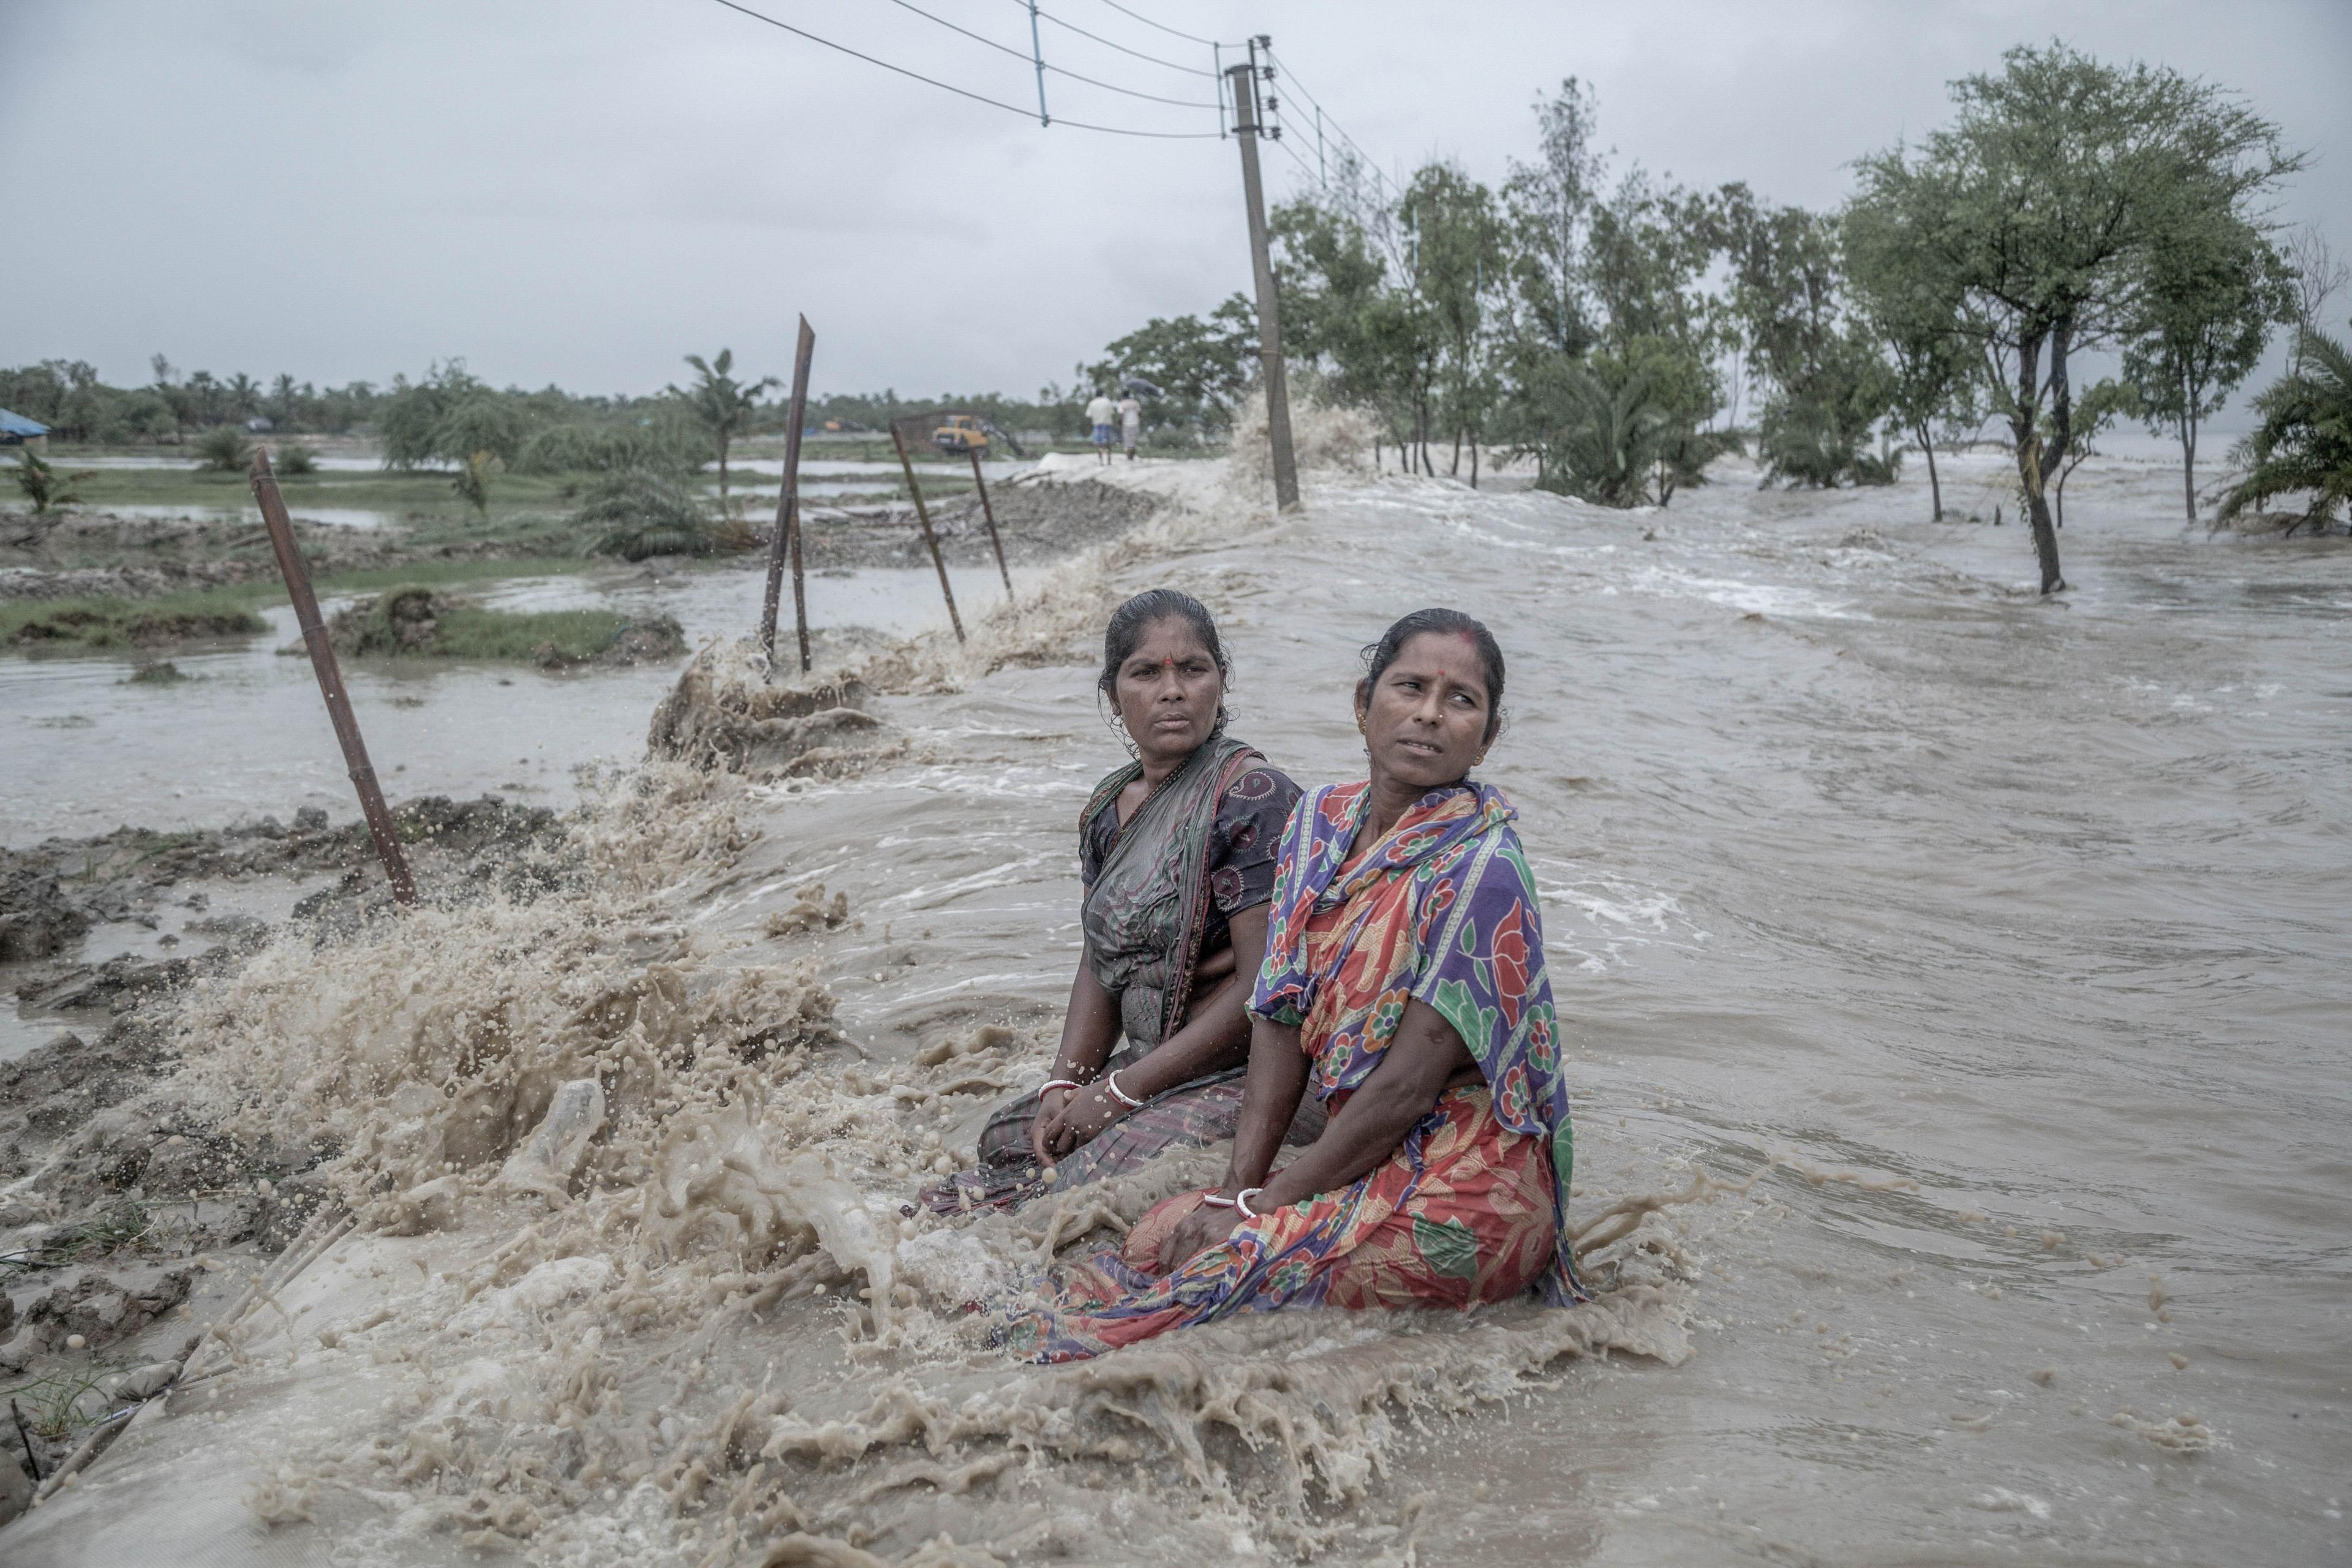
column 2304, row 442
column 1331, row 276
column 413, row 423
column 674, row 444
column 1549, row 207
column 1830, row 386
column 482, row 422
column 2212, row 287
column 1932, row 366
column 1454, row 233
column 1200, row 367
column 723, row 404
column 2035, row 209
column 1651, row 248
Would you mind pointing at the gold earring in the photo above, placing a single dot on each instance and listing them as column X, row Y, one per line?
column 1359, row 725
column 1479, row 760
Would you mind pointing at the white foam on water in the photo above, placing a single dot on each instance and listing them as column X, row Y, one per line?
column 726, row 1342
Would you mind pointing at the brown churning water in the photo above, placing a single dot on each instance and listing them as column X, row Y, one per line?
column 1963, row 960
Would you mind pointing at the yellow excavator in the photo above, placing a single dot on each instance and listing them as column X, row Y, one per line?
column 965, row 433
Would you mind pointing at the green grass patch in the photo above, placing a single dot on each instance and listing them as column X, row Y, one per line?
column 423, row 495
column 527, row 634
column 107, row 624
column 99, row 623
column 415, row 621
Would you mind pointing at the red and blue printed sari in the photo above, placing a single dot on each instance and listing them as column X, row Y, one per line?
column 1473, row 1205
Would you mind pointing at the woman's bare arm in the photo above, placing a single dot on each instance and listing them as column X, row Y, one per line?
column 1423, row 1058
column 1091, row 1030
column 1214, row 1037
column 1270, row 1095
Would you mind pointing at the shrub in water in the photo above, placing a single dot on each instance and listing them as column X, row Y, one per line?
column 223, row 449
column 295, row 461
column 645, row 514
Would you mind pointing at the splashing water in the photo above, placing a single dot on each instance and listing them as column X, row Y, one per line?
column 1829, row 961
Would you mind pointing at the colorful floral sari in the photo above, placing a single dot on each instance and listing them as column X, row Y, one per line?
column 1473, row 1205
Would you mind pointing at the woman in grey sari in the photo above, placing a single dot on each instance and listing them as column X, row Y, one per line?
column 1177, row 851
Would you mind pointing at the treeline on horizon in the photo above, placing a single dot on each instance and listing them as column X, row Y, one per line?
column 68, row 396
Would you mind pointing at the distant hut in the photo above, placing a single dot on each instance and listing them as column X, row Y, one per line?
column 16, row 430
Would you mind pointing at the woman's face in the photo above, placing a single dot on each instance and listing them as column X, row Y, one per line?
column 1426, row 717
column 1169, row 690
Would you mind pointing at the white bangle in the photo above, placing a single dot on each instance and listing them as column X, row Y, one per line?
column 1054, row 1083
column 1216, row 1201
column 1110, row 1082
column 1242, row 1198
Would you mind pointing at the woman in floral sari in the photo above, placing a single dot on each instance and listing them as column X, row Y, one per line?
column 1404, row 984
column 1177, row 852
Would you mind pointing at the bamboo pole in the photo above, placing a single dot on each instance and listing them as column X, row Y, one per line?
column 788, row 515
column 923, row 515
column 988, row 513
column 330, row 679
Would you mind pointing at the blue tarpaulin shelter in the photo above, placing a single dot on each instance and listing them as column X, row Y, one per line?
column 16, row 427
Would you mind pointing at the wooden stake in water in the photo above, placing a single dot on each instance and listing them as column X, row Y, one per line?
column 788, row 515
column 923, row 515
column 988, row 513
column 330, row 679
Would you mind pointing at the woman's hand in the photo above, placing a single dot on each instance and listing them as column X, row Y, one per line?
column 1204, row 1228
column 1042, row 1130
column 1078, row 1121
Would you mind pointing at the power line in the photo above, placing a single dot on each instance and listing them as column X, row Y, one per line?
column 960, row 92
column 1122, row 48
column 1331, row 122
column 1059, row 70
column 1204, row 43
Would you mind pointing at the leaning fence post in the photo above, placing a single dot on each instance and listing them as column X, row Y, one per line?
column 988, row 513
column 923, row 515
column 788, row 515
column 330, row 679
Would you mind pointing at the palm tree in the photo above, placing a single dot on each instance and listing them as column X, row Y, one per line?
column 2304, row 444
column 723, row 404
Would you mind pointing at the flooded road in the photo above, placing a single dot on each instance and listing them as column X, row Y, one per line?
column 2000, row 940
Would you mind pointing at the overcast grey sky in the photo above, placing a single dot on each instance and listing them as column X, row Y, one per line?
column 581, row 192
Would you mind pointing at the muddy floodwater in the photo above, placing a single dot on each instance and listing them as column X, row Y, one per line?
column 245, row 734
column 1988, row 953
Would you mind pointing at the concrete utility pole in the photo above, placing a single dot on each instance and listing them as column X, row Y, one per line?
column 1246, row 122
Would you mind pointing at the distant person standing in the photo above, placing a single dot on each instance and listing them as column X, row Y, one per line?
column 1130, row 424
column 1102, row 413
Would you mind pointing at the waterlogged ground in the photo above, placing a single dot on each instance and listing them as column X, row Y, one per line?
column 1990, row 948
column 85, row 748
